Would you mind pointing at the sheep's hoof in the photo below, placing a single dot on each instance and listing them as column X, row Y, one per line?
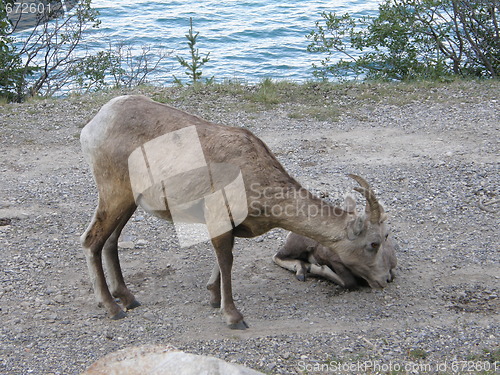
column 119, row 315
column 215, row 304
column 133, row 305
column 240, row 325
column 301, row 277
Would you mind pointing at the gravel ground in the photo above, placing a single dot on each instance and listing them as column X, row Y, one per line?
column 430, row 152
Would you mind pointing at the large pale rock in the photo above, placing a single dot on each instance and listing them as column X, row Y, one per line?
column 163, row 360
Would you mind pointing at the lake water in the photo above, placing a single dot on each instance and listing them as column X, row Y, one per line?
column 247, row 40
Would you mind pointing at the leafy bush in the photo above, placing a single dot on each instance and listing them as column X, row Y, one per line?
column 12, row 71
column 42, row 61
column 48, row 58
column 118, row 66
column 411, row 39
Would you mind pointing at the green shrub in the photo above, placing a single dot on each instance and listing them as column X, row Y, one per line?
column 45, row 61
column 12, row 72
column 411, row 39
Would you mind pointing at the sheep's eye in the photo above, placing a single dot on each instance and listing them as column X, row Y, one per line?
column 375, row 245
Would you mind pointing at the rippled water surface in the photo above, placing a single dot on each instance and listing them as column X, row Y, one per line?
column 248, row 40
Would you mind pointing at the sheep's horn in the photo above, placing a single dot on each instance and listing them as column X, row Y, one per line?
column 371, row 200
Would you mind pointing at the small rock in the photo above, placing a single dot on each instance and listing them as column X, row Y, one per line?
column 149, row 316
column 5, row 221
column 59, row 298
column 126, row 244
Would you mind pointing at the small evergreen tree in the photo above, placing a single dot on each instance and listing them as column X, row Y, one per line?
column 193, row 67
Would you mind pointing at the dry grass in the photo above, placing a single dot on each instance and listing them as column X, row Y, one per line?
column 323, row 101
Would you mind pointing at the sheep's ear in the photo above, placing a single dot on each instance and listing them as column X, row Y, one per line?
column 355, row 227
column 349, row 204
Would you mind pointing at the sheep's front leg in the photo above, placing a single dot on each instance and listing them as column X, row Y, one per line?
column 213, row 286
column 302, row 268
column 295, row 265
column 224, row 250
column 327, row 273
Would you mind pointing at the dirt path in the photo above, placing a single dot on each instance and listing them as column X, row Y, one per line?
column 431, row 160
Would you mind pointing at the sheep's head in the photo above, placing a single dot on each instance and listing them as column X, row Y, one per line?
column 368, row 251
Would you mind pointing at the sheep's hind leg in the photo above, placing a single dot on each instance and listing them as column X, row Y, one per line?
column 111, row 213
column 102, row 225
column 110, row 251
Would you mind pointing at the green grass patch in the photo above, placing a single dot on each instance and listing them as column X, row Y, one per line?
column 416, row 354
column 488, row 355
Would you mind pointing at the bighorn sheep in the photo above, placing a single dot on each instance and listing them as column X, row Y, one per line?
column 222, row 181
column 374, row 265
